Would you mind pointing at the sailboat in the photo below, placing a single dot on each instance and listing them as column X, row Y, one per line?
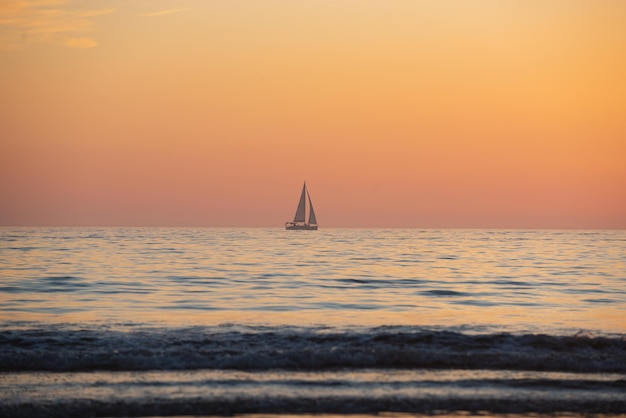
column 299, row 221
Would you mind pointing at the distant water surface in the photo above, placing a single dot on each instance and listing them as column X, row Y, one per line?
column 197, row 321
column 546, row 281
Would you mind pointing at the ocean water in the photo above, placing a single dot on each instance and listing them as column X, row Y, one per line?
column 220, row 321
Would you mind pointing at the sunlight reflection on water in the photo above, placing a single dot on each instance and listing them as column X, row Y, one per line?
column 544, row 280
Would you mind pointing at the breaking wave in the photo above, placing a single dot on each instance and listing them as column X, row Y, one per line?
column 63, row 348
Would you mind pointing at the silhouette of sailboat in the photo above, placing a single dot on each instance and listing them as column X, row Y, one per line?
column 299, row 221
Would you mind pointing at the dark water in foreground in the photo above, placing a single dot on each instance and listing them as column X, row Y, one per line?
column 158, row 322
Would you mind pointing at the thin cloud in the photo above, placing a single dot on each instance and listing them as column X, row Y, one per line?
column 24, row 22
column 92, row 13
column 80, row 43
column 164, row 12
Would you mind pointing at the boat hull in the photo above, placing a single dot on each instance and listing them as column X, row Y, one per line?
column 293, row 226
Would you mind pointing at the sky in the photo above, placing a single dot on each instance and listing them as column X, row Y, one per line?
column 416, row 113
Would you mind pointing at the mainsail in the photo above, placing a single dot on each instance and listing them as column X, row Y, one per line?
column 301, row 212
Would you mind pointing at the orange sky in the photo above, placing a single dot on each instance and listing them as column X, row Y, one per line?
column 442, row 113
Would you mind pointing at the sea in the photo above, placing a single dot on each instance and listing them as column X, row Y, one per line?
column 138, row 322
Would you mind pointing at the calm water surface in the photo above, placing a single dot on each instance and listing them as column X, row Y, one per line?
column 520, row 280
column 197, row 321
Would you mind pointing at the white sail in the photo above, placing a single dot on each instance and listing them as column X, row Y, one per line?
column 300, row 213
column 312, row 219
